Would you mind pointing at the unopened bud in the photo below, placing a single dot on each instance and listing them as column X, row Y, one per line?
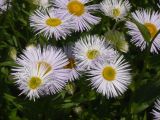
column 70, row 88
column 41, row 3
column 117, row 39
column 13, row 53
column 78, row 109
column 29, row 47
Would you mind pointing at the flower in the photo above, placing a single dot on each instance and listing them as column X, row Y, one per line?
column 156, row 110
column 111, row 79
column 90, row 49
column 48, row 62
column 150, row 20
column 79, row 11
column 32, row 80
column 116, row 9
column 51, row 24
column 4, row 4
column 73, row 74
column 42, row 3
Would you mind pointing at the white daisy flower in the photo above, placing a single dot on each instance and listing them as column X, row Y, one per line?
column 111, row 79
column 151, row 21
column 90, row 49
column 73, row 74
column 116, row 9
column 51, row 24
column 32, row 80
column 156, row 110
column 4, row 4
column 80, row 12
column 42, row 3
column 53, row 59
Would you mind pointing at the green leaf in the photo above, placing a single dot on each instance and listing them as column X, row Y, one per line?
column 8, row 97
column 137, row 107
column 145, row 33
column 13, row 115
column 8, row 63
column 145, row 116
column 68, row 105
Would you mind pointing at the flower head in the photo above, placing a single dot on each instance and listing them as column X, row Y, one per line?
column 51, row 24
column 44, row 66
column 31, row 81
column 90, row 49
column 79, row 11
column 111, row 79
column 116, row 9
column 4, row 4
column 151, row 21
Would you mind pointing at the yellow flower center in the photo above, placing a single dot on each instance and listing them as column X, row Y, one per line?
column 71, row 64
column 53, row 22
column 92, row 54
column 151, row 28
column 109, row 73
column 34, row 82
column 116, row 12
column 76, row 7
column 46, row 65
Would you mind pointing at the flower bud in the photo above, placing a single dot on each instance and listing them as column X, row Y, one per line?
column 13, row 53
column 70, row 88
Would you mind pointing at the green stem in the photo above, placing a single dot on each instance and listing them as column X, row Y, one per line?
column 146, row 57
column 115, row 25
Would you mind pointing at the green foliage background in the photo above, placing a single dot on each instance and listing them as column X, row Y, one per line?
column 77, row 100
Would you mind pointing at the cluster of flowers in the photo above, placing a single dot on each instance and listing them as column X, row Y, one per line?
column 65, row 16
column 46, row 70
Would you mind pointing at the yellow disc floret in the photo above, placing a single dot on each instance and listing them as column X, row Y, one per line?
column 151, row 28
column 75, row 7
column 34, row 82
column 116, row 12
column 109, row 73
column 93, row 54
column 53, row 22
